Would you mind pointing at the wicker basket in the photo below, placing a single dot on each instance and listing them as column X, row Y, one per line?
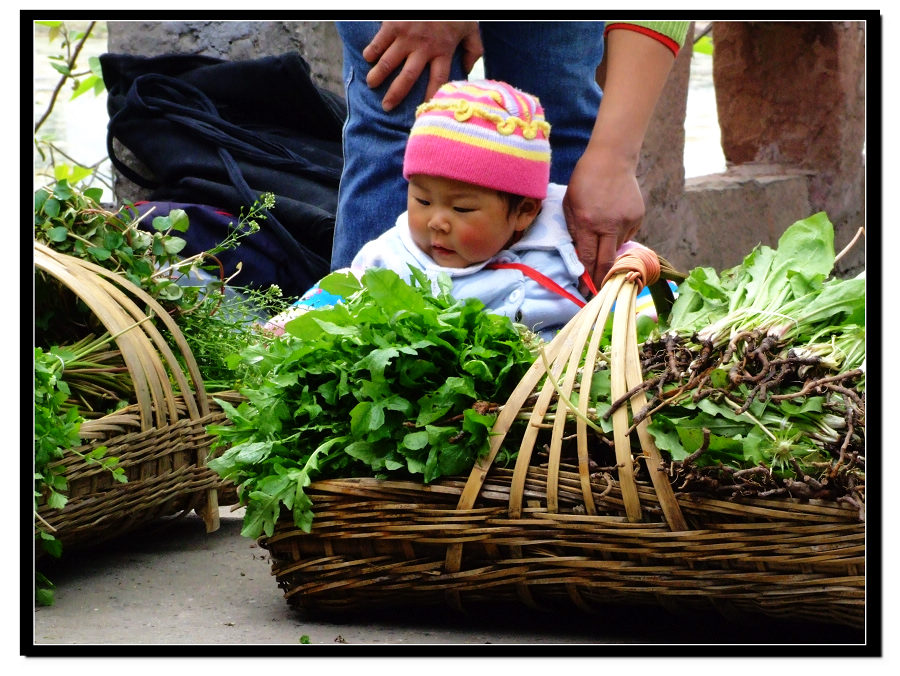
column 161, row 440
column 550, row 533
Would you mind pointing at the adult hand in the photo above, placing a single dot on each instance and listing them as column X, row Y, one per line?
column 414, row 45
column 603, row 203
column 604, row 208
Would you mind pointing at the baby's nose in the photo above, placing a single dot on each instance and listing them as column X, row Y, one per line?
column 439, row 221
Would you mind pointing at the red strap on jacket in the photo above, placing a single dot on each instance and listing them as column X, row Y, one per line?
column 545, row 281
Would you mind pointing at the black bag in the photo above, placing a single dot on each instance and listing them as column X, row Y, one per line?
column 219, row 133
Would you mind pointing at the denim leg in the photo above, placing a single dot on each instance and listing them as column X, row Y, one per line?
column 557, row 62
column 372, row 190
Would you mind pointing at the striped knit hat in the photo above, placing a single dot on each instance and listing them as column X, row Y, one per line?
column 483, row 132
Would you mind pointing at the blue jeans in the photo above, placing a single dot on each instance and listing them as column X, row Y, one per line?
column 555, row 61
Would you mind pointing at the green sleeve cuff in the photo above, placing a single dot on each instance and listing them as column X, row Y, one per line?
column 670, row 33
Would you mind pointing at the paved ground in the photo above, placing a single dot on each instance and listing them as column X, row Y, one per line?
column 180, row 589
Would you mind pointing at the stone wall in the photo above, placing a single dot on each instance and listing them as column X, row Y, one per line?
column 317, row 42
column 791, row 107
column 792, row 94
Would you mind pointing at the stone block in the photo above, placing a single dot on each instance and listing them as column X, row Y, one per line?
column 722, row 217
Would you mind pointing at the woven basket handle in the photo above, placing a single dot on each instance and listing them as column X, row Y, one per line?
column 561, row 360
column 139, row 340
column 109, row 296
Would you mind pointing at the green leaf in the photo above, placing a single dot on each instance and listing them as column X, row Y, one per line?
column 366, row 452
column 416, row 441
column 100, row 253
column 95, row 66
column 56, row 500
column 58, row 234
column 378, row 360
column 704, row 45
column 364, row 417
column 264, row 505
column 170, row 291
column 51, row 545
column 51, row 207
column 330, row 328
column 40, row 196
column 806, row 246
column 44, row 596
column 63, row 191
column 252, row 452
column 178, row 220
column 343, row 284
column 85, row 85
column 174, row 245
column 94, row 194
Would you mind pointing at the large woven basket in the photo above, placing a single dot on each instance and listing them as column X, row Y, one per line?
column 551, row 533
column 161, row 440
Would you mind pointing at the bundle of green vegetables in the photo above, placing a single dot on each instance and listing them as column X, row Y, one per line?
column 756, row 385
column 392, row 381
column 758, row 375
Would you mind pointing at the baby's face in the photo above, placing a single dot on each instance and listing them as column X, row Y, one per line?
column 459, row 224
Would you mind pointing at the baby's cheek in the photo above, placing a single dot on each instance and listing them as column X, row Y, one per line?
column 476, row 242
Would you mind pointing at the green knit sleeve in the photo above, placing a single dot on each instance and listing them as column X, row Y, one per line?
column 672, row 33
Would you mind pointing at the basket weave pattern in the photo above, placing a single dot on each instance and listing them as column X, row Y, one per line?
column 165, row 477
column 553, row 532
column 383, row 543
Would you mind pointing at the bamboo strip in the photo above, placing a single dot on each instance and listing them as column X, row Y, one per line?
column 618, row 388
column 129, row 342
column 585, row 323
column 634, row 377
column 610, row 290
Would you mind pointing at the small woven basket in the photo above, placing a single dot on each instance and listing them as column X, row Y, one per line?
column 161, row 440
column 550, row 533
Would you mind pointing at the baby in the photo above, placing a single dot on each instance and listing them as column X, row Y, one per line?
column 481, row 209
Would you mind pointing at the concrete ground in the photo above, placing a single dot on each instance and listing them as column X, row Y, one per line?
column 175, row 588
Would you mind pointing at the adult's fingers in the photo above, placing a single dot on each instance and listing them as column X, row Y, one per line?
column 376, row 52
column 606, row 256
column 395, row 57
column 438, row 74
column 473, row 50
column 404, row 82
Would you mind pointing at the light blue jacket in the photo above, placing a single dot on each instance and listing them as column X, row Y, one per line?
column 545, row 246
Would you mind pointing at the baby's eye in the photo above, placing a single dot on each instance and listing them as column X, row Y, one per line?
column 424, row 203
column 463, row 210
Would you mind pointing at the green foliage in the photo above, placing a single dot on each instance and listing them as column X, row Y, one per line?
column 74, row 223
column 79, row 375
column 56, row 432
column 70, row 40
column 784, row 292
column 383, row 384
column 55, row 426
column 704, row 45
column 784, row 297
column 218, row 328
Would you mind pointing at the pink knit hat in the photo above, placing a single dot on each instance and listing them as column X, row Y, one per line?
column 483, row 132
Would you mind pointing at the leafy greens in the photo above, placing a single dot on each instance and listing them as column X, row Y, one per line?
column 383, row 384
